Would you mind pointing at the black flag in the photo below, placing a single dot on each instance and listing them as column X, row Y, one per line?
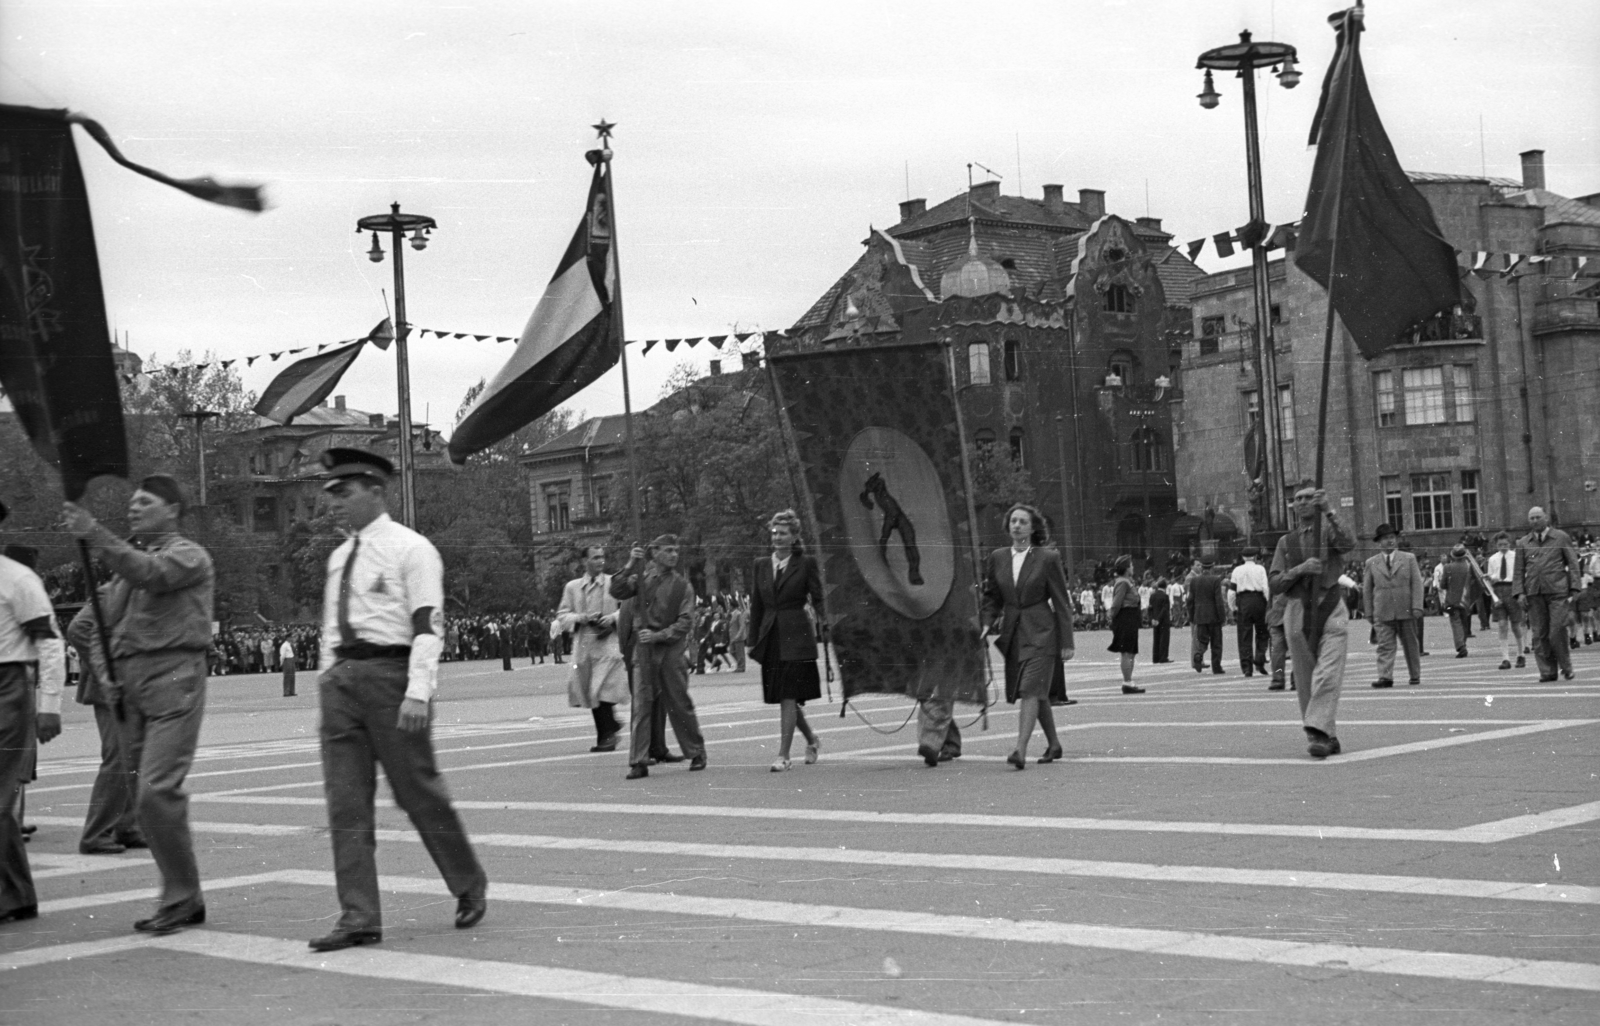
column 1368, row 236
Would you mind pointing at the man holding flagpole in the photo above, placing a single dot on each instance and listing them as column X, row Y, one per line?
column 1306, row 568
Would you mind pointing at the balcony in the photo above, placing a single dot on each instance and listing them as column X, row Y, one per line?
column 1444, row 329
column 1566, row 313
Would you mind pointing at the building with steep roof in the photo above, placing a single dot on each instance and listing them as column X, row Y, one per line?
column 1062, row 321
column 1465, row 423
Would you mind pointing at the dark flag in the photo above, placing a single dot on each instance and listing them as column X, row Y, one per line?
column 882, row 466
column 572, row 338
column 305, row 383
column 1368, row 237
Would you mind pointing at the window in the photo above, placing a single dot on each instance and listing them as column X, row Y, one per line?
column 1211, row 329
column 602, row 497
column 1252, row 409
column 1276, row 313
column 984, row 440
column 558, row 508
column 1383, row 385
column 1394, row 504
column 1424, row 388
column 1430, row 502
column 265, row 513
column 1121, row 364
column 1119, row 299
column 1147, row 454
column 1469, row 499
column 978, row 363
column 1016, row 446
column 1286, row 411
column 1465, row 403
column 1013, row 355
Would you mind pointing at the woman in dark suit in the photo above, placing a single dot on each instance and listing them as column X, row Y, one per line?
column 1025, row 594
column 1124, row 614
column 782, row 639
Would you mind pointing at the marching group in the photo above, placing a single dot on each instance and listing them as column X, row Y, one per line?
column 383, row 634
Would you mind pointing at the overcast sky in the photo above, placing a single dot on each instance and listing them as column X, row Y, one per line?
column 757, row 142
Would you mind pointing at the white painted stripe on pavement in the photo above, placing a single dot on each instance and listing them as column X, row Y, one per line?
column 688, row 1000
column 76, row 865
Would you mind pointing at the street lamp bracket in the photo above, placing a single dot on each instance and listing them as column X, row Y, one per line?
column 1247, row 53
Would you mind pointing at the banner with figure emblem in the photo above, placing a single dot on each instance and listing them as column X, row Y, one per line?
column 876, row 435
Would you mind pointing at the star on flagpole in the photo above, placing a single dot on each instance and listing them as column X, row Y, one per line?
column 604, row 128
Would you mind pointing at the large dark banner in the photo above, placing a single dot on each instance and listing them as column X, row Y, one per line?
column 880, row 455
column 55, row 349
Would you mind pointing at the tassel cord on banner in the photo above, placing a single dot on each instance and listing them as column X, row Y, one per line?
column 874, row 727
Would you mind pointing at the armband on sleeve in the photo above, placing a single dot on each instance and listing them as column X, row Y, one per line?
column 52, row 673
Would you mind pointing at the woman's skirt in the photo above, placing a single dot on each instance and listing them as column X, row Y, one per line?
column 795, row 681
column 1125, row 632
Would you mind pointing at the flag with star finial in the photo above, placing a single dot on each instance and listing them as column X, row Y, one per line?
column 573, row 337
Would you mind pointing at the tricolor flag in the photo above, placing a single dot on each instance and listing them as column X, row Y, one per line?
column 305, row 383
column 573, row 337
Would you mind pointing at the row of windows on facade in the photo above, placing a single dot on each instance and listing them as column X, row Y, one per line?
column 558, row 503
column 1252, row 410
column 979, row 373
column 1214, row 327
column 1145, row 447
column 1435, row 502
column 1425, row 395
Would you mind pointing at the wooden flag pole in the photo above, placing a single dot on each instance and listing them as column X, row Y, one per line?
column 616, row 301
column 99, row 623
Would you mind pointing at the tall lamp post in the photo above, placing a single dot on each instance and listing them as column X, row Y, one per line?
column 397, row 225
column 1243, row 58
column 200, row 417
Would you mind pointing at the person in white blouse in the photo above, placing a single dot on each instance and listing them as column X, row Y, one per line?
column 1502, row 572
column 382, row 627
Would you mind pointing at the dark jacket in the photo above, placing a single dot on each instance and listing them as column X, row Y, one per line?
column 1034, row 613
column 166, row 598
column 664, row 601
column 1460, row 583
column 1160, row 606
column 1548, row 567
column 778, row 610
column 1205, row 602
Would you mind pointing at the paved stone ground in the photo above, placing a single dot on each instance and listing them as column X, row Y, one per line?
column 1186, row 862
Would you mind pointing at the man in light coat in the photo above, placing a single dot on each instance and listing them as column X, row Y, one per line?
column 599, row 680
column 1391, row 599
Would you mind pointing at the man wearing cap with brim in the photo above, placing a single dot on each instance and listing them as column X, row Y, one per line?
column 1251, row 592
column 158, row 613
column 382, row 634
column 1391, row 600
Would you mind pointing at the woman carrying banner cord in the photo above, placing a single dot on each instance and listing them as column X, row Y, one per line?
column 1025, row 597
column 782, row 638
column 1124, row 613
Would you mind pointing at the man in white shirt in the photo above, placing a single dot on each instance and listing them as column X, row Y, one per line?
column 1502, row 572
column 599, row 680
column 382, row 630
column 29, row 648
column 1251, row 596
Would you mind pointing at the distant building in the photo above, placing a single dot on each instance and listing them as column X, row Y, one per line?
column 1465, row 424
column 1061, row 318
column 572, row 482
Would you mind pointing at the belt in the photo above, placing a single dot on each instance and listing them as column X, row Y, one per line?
column 367, row 650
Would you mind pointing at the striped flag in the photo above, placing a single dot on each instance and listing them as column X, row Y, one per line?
column 305, row 383
column 573, row 337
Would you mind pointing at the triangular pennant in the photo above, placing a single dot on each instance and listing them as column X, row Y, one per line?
column 692, row 342
column 717, row 340
column 300, row 350
column 323, row 345
column 672, row 343
column 200, row 367
column 1513, row 260
column 1223, row 241
column 228, row 363
column 480, row 338
column 275, row 356
column 1195, row 247
column 250, row 360
column 743, row 336
column 652, row 342
column 459, row 334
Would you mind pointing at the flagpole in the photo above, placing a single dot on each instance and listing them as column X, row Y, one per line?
column 604, row 129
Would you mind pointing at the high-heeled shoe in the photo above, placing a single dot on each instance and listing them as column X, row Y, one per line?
column 1015, row 759
column 1051, row 754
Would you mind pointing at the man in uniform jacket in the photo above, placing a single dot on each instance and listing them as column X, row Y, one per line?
column 1207, row 612
column 1160, row 623
column 1544, row 579
column 663, row 616
column 1391, row 598
column 110, row 826
column 1461, row 593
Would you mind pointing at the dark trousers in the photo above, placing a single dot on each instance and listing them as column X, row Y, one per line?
column 16, row 745
column 663, row 680
column 1547, row 622
column 1252, row 629
column 1460, row 625
column 163, row 700
column 111, row 816
column 605, row 720
column 360, row 711
column 658, row 717
column 1161, row 641
column 1208, row 635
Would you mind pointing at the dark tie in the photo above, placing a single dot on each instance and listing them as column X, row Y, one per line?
column 1390, row 560
column 347, row 634
column 1505, row 566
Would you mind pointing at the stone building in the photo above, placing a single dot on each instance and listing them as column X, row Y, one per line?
column 1461, row 427
column 572, row 481
column 1061, row 321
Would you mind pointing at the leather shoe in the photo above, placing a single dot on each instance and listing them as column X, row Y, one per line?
column 131, row 843
column 17, row 915
column 608, row 745
column 171, row 920
column 1545, row 680
column 1568, row 674
column 1015, row 759
column 1322, row 747
column 1380, row 683
column 929, row 756
column 470, row 910
column 697, row 763
column 1051, row 754
column 638, row 770
column 1277, row 686
column 1505, row 664
column 669, row 757
column 945, row 755
column 338, row 940
column 1129, row 689
column 103, row 848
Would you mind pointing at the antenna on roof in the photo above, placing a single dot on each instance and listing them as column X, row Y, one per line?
column 908, row 179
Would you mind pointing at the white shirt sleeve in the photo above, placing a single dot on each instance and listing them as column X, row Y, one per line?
column 422, row 574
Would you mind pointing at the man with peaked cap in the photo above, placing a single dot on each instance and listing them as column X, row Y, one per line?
column 1391, row 597
column 29, row 649
column 158, row 612
column 382, row 634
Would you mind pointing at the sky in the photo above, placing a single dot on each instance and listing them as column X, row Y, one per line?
column 757, row 143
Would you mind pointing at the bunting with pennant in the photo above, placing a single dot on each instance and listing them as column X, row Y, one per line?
column 305, row 383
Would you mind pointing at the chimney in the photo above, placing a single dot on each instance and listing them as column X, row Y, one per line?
column 1152, row 223
column 1092, row 201
column 1533, row 169
column 986, row 192
column 375, row 420
column 910, row 210
column 1052, row 199
column 716, row 368
column 338, row 402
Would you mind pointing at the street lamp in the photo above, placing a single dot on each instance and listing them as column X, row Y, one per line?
column 1243, row 58
column 397, row 225
column 200, row 417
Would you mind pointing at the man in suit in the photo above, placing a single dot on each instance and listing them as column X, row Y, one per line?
column 1460, row 589
column 1391, row 598
column 1546, row 576
column 1207, row 612
column 1160, row 623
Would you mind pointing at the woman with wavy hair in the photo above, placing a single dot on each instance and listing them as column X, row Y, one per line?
column 782, row 638
column 1124, row 614
column 1025, row 596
